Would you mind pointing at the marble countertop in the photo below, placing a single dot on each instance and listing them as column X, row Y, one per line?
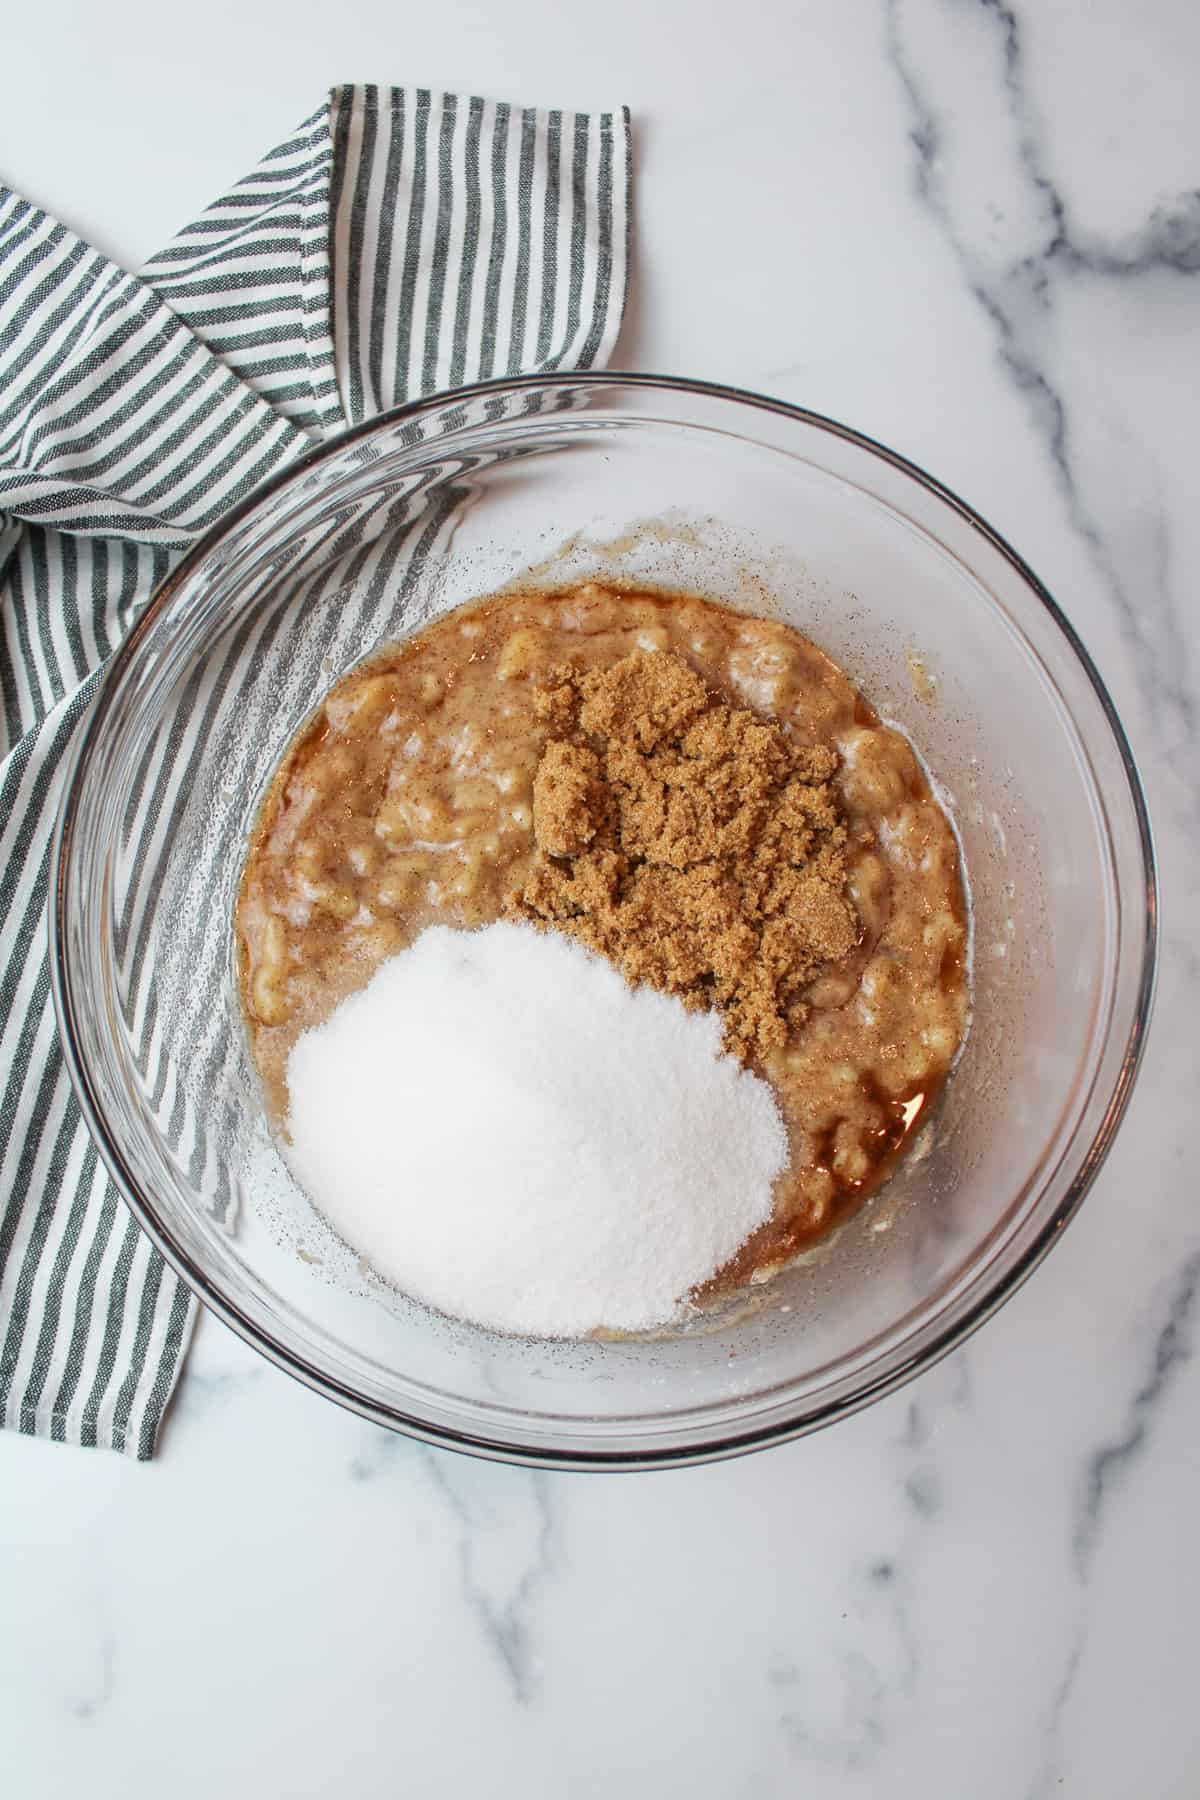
column 974, row 232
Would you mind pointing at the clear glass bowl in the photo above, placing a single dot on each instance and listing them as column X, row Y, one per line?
column 686, row 486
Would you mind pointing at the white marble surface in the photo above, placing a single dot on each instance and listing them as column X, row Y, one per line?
column 975, row 233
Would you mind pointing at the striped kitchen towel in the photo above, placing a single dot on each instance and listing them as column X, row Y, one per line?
column 399, row 243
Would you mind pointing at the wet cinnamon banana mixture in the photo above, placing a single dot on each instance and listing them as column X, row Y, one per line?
column 700, row 796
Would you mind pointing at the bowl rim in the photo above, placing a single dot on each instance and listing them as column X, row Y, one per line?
column 725, row 1444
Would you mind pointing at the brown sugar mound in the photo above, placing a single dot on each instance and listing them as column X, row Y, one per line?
column 690, row 842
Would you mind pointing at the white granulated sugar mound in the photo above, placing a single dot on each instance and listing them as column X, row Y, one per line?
column 508, row 1132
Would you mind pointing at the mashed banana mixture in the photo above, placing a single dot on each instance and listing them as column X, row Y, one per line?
column 699, row 796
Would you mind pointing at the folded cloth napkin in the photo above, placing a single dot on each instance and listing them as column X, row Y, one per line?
column 399, row 243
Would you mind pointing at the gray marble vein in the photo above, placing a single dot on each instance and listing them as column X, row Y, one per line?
column 1109, row 1465
column 381, row 1451
column 201, row 1393
column 838, row 1702
column 1107, row 1469
column 1014, row 253
column 506, row 1535
column 503, row 1530
column 92, row 1695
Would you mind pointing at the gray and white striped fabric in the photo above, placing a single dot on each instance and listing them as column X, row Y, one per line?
column 399, row 243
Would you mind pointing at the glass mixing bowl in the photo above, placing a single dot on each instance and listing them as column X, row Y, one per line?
column 680, row 485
